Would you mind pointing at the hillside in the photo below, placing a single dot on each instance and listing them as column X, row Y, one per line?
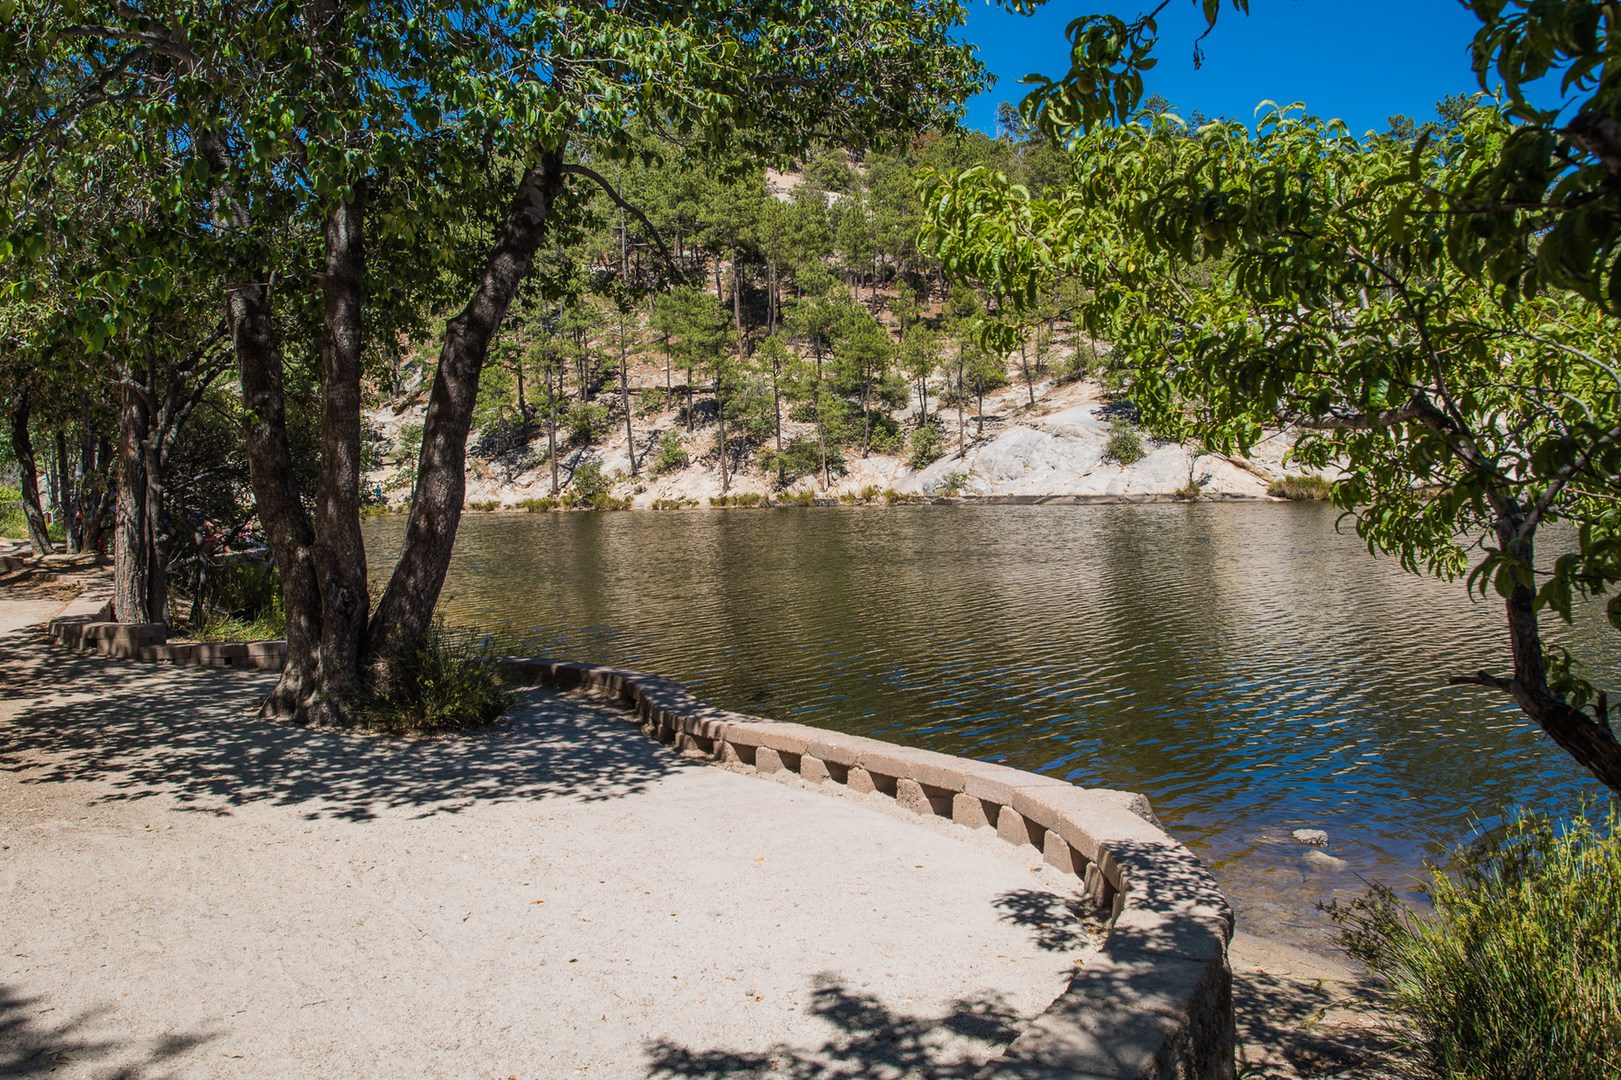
column 1056, row 447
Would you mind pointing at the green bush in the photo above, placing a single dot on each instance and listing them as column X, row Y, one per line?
column 886, row 437
column 538, row 506
column 745, row 498
column 802, row 456
column 241, row 602
column 927, row 446
column 803, row 497
column 1125, row 446
column 1301, row 489
column 870, row 492
column 674, row 504
column 671, row 454
column 951, row 483
column 588, row 481
column 444, row 683
column 1516, row 974
column 586, row 422
column 485, row 506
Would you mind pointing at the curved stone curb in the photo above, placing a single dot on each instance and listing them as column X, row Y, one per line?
column 1156, row 1002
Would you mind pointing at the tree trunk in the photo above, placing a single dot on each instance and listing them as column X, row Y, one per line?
column 1024, row 361
column 1589, row 740
column 413, row 591
column 38, row 536
column 720, row 411
column 551, row 427
column 866, row 412
column 140, row 580
column 276, row 496
column 624, row 393
column 66, row 495
column 339, row 550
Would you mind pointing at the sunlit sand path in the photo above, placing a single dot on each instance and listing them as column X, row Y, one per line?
column 187, row 891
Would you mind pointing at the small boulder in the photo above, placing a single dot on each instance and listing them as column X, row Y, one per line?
column 1314, row 837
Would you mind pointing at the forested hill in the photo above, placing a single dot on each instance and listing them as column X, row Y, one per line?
column 813, row 339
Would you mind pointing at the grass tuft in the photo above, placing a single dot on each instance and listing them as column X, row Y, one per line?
column 445, row 683
column 1301, row 489
column 1517, row 972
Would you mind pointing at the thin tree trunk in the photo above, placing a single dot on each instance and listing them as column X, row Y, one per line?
column 979, row 417
column 66, row 495
column 339, row 551
column 962, row 443
column 1024, row 361
column 413, row 591
column 23, row 448
column 140, row 587
column 551, row 427
column 1590, row 740
column 866, row 412
column 277, row 500
column 720, row 411
column 624, row 394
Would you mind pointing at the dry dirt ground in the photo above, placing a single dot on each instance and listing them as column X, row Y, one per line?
column 186, row 891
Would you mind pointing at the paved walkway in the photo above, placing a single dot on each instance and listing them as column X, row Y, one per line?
column 186, row 891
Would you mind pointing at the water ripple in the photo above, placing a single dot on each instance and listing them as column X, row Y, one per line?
column 1249, row 668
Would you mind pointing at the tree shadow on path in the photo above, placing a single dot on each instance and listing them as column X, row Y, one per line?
column 870, row 1040
column 144, row 730
column 32, row 1043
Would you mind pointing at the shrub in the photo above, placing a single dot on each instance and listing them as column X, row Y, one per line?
column 1301, row 489
column 892, row 496
column 1125, row 446
column 485, row 506
column 870, row 492
column 745, row 498
column 242, row 602
column 886, row 437
column 588, row 481
column 802, row 412
column 1190, row 491
column 538, row 506
column 1517, row 972
column 848, row 498
column 802, row 456
column 927, row 446
column 586, row 422
column 671, row 454
column 803, row 497
column 951, row 483
column 674, row 504
column 444, row 683
column 651, row 401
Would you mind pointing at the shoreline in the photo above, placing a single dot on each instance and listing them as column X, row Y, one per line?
column 1223, row 499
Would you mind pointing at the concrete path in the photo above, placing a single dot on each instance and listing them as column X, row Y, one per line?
column 186, row 891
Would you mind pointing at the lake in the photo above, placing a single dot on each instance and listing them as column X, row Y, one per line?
column 1248, row 667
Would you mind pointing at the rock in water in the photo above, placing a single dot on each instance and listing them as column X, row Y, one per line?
column 1314, row 837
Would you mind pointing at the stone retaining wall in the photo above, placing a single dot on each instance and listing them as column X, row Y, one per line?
column 149, row 642
column 1154, row 1004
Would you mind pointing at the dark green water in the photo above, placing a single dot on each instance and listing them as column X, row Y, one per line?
column 1246, row 666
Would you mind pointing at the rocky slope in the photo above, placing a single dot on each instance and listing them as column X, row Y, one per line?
column 1054, row 448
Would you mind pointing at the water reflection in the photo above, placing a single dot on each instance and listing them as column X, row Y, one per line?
column 1248, row 667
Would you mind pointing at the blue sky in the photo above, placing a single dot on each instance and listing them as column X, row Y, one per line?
column 1358, row 60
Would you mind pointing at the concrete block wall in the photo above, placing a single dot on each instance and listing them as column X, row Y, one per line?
column 1156, row 1002
column 149, row 642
